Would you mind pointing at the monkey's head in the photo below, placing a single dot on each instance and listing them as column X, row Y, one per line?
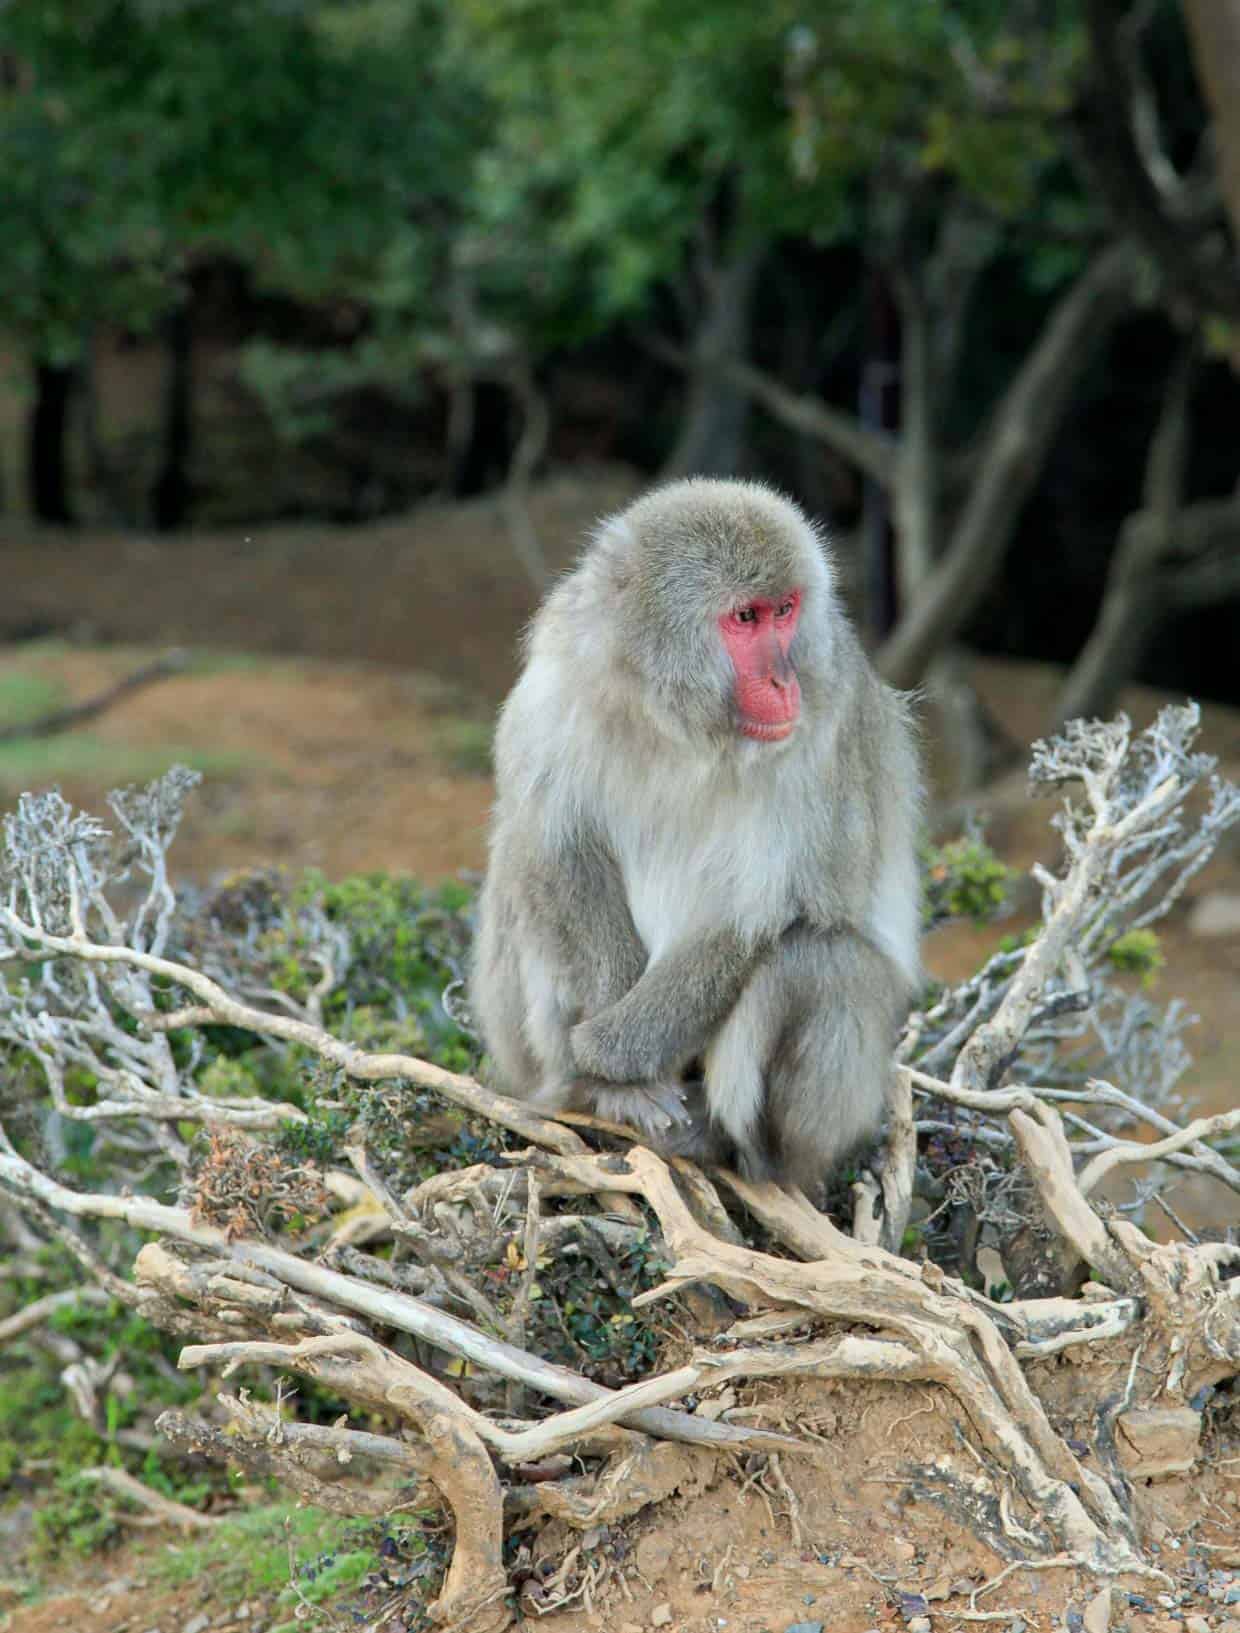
column 723, row 603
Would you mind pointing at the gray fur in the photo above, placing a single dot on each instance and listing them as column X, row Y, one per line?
column 661, row 890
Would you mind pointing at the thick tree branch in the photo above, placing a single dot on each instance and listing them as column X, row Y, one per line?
column 1133, row 600
column 870, row 451
column 1021, row 430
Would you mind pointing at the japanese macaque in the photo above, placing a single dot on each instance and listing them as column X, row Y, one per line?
column 701, row 911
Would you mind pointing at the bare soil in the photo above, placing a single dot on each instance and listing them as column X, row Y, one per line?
column 881, row 1529
column 335, row 741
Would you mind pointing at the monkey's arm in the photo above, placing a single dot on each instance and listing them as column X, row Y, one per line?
column 670, row 1014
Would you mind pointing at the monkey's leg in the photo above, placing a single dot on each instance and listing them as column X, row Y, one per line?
column 798, row 1075
column 496, row 993
column 556, row 942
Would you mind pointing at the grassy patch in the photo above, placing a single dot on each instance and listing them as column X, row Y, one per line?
column 83, row 757
column 306, row 1556
column 249, row 1552
column 466, row 745
column 25, row 697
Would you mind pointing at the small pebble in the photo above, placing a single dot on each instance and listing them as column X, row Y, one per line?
column 903, row 1549
column 197, row 1624
column 919, row 1624
column 805, row 1627
column 660, row 1616
column 1196, row 1624
column 1232, row 1595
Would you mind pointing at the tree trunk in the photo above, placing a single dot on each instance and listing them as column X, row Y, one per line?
column 1112, row 655
column 47, row 442
column 170, row 497
column 712, row 433
column 1214, row 28
column 111, row 502
column 917, row 544
column 879, row 410
column 1135, row 597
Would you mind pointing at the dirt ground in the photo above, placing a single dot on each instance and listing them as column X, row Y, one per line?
column 338, row 685
column 869, row 1536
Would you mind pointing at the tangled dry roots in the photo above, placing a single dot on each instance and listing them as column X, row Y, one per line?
column 818, row 1302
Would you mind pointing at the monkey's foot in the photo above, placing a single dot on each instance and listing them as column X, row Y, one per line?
column 699, row 1140
column 655, row 1109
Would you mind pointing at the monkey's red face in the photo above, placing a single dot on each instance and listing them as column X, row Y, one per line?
column 756, row 637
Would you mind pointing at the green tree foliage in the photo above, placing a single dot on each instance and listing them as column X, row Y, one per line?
column 139, row 135
column 630, row 117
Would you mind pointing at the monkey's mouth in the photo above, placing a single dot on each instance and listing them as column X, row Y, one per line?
column 768, row 731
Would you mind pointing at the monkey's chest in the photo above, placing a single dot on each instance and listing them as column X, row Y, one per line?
column 686, row 878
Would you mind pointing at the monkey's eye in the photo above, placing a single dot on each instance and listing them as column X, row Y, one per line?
column 747, row 615
column 784, row 609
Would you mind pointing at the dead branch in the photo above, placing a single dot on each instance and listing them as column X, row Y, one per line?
column 197, row 1438
column 219, row 1008
column 171, row 1513
column 1128, row 1151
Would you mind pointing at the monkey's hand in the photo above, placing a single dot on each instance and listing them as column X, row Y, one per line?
column 653, row 1109
column 615, row 1047
column 671, row 1013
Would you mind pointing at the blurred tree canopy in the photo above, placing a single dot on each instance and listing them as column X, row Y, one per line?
column 897, row 233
